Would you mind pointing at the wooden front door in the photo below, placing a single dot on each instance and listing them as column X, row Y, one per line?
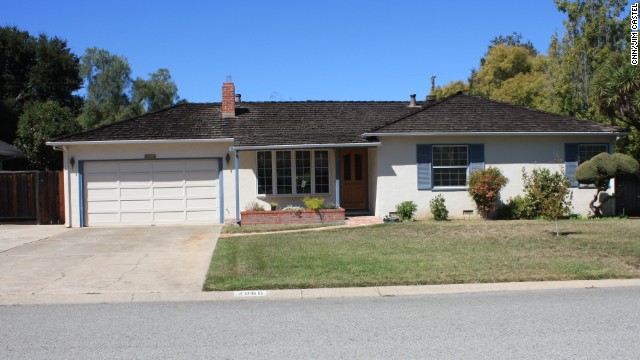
column 353, row 179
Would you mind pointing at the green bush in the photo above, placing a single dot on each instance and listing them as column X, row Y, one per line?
column 438, row 208
column 314, row 203
column 547, row 193
column 484, row 189
column 516, row 208
column 406, row 210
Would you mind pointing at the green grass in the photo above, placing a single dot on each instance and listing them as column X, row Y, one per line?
column 428, row 252
column 257, row 229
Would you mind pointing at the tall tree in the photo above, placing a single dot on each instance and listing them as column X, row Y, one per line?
column 34, row 69
column 39, row 123
column 157, row 93
column 112, row 95
column 108, row 82
column 594, row 30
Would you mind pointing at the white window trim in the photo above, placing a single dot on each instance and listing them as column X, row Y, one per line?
column 274, row 173
column 434, row 167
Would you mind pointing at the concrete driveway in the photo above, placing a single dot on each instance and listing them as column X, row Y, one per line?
column 53, row 260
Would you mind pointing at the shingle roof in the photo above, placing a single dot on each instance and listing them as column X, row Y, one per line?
column 182, row 121
column 256, row 123
column 8, row 150
column 466, row 113
column 333, row 122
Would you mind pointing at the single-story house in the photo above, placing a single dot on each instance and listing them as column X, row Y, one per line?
column 204, row 162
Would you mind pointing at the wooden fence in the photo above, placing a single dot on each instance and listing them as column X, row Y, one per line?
column 32, row 195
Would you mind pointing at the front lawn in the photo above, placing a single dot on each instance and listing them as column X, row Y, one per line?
column 428, row 252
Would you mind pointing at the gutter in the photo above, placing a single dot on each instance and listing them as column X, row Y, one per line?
column 124, row 142
column 305, row 146
column 539, row 133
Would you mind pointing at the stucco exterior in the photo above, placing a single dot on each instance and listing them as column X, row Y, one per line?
column 396, row 171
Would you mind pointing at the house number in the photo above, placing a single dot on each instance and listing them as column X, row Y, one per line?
column 250, row 293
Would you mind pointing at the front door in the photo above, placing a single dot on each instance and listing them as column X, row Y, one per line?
column 353, row 179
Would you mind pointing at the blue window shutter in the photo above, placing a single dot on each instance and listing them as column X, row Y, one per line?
column 571, row 162
column 424, row 167
column 476, row 157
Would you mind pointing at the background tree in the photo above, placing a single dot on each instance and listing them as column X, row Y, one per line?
column 594, row 30
column 34, row 69
column 600, row 170
column 450, row 89
column 157, row 93
column 112, row 95
column 39, row 123
column 108, row 81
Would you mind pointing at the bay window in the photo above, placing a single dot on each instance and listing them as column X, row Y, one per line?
column 298, row 172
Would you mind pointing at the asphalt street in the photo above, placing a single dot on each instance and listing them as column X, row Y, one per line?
column 555, row 324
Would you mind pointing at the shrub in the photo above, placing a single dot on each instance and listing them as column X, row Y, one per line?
column 329, row 205
column 292, row 208
column 438, row 208
column 516, row 208
column 254, row 206
column 484, row 188
column 314, row 203
column 406, row 210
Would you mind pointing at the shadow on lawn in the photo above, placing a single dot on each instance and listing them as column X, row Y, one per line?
column 565, row 233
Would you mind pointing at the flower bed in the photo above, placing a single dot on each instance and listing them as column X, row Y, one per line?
column 288, row 217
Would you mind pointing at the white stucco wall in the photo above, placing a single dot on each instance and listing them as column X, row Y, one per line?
column 397, row 169
column 138, row 151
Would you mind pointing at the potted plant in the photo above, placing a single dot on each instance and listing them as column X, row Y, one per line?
column 274, row 206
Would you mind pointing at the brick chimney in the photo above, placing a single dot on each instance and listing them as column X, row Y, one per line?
column 228, row 99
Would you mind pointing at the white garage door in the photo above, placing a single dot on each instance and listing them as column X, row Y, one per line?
column 151, row 192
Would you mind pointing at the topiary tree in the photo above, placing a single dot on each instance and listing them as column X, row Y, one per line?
column 484, row 189
column 599, row 171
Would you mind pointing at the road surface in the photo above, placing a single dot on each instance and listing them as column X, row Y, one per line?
column 558, row 324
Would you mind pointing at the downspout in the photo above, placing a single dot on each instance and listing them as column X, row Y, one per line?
column 237, row 187
column 67, row 198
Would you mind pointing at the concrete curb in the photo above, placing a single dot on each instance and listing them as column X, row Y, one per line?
column 380, row 291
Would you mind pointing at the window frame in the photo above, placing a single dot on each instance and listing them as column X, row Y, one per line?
column 580, row 160
column 294, row 192
column 434, row 167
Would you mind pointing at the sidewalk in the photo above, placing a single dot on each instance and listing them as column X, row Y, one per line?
column 301, row 294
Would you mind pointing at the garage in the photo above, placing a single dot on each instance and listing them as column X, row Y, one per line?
column 150, row 192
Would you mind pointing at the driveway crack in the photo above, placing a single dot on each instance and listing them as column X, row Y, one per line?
column 135, row 267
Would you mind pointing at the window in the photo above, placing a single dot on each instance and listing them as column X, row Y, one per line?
column 265, row 173
column 450, row 165
column 322, row 172
column 283, row 171
column 295, row 172
column 587, row 151
column 303, row 172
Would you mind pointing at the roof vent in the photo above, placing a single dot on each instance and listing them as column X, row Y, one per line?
column 238, row 98
column 412, row 102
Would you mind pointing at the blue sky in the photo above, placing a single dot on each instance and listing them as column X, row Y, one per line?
column 292, row 50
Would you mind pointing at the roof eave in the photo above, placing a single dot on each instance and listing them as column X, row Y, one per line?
column 503, row 133
column 304, row 146
column 125, row 142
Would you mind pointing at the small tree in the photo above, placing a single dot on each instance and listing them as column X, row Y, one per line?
column 484, row 189
column 599, row 171
column 548, row 193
